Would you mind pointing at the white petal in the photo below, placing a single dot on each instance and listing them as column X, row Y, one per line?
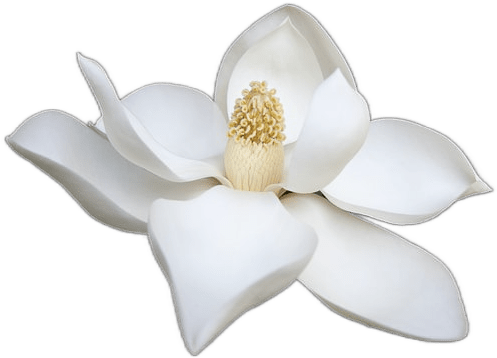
column 405, row 173
column 224, row 253
column 375, row 277
column 286, row 61
column 335, row 129
column 182, row 119
column 133, row 140
column 111, row 189
column 288, row 49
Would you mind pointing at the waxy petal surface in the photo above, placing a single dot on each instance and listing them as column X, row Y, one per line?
column 110, row 188
column 372, row 276
column 286, row 61
column 290, row 50
column 334, row 131
column 133, row 140
column 225, row 252
column 404, row 174
column 182, row 119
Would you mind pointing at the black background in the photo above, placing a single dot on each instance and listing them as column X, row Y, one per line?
column 73, row 285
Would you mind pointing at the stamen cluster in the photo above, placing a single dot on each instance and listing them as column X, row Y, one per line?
column 258, row 117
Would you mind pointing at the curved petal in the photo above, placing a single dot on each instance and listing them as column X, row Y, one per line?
column 287, row 62
column 335, row 129
column 405, row 173
column 377, row 278
column 132, row 139
column 111, row 189
column 182, row 119
column 224, row 253
column 290, row 50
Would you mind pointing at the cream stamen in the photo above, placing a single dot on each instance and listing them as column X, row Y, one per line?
column 254, row 155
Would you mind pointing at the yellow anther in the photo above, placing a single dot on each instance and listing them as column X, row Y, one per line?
column 254, row 156
column 258, row 112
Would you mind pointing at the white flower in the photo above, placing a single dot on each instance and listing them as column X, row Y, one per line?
column 153, row 163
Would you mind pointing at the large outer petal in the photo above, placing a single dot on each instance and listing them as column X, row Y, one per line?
column 134, row 141
column 111, row 189
column 289, row 49
column 375, row 277
column 224, row 253
column 335, row 129
column 405, row 173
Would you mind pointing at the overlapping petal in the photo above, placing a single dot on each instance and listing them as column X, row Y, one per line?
column 290, row 50
column 225, row 252
column 184, row 120
column 405, row 173
column 133, row 141
column 110, row 188
column 335, row 129
column 375, row 277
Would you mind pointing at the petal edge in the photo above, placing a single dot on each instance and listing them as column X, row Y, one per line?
column 108, row 187
column 133, row 141
column 335, row 129
column 221, row 263
column 375, row 277
column 405, row 173
column 327, row 55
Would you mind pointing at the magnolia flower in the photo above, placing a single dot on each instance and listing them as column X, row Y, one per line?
column 267, row 184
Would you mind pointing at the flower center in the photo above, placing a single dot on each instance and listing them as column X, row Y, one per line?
column 254, row 156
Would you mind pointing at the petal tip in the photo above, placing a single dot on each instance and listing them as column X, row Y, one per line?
column 11, row 141
column 90, row 68
column 339, row 79
column 83, row 61
column 482, row 188
column 191, row 347
column 478, row 187
column 8, row 138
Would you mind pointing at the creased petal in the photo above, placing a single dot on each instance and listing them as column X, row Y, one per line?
column 133, row 140
column 372, row 276
column 224, row 253
column 288, row 49
column 334, row 131
column 111, row 189
column 404, row 174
